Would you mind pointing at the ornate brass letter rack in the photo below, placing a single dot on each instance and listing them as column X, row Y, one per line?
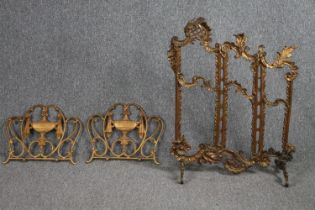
column 235, row 162
column 28, row 139
column 141, row 146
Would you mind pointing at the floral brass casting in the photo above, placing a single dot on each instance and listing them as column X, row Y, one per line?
column 48, row 138
column 141, row 146
column 197, row 30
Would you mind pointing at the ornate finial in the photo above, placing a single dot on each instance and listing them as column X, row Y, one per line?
column 240, row 43
column 261, row 51
column 44, row 113
column 126, row 113
column 197, row 29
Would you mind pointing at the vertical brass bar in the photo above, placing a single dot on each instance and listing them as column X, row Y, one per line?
column 217, row 115
column 286, row 123
column 254, row 107
column 262, row 110
column 225, row 99
column 178, row 96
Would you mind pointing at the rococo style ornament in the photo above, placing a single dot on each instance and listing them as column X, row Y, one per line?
column 43, row 133
column 111, row 137
column 197, row 30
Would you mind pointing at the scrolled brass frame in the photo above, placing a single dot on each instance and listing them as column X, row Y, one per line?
column 19, row 130
column 197, row 30
column 125, row 125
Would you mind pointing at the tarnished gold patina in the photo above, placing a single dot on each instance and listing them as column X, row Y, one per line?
column 197, row 30
column 141, row 146
column 28, row 138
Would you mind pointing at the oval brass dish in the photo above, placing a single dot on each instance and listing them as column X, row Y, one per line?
column 125, row 125
column 43, row 126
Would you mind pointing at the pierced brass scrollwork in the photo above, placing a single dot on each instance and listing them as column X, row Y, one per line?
column 103, row 131
column 51, row 137
column 236, row 162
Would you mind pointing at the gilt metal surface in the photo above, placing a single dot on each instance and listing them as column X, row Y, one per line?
column 197, row 30
column 111, row 138
column 51, row 137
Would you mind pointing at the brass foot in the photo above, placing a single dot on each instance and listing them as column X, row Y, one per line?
column 282, row 158
column 286, row 176
column 156, row 161
column 282, row 165
column 6, row 161
column 72, row 161
column 90, row 159
column 182, row 168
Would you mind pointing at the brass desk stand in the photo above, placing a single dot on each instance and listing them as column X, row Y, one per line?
column 141, row 146
column 236, row 162
column 28, row 138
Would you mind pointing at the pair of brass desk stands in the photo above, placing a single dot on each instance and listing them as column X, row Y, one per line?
column 236, row 162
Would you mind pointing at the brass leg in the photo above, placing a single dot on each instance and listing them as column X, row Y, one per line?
column 7, row 160
column 72, row 160
column 10, row 152
column 286, row 176
column 282, row 165
column 182, row 168
column 154, row 155
column 155, row 160
column 71, row 154
column 93, row 150
column 90, row 159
